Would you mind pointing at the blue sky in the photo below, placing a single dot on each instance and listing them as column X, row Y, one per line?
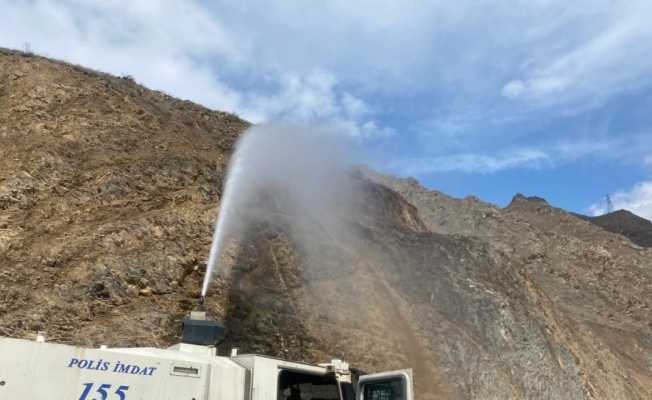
column 485, row 98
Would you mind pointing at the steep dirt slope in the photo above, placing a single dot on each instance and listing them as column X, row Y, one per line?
column 108, row 193
column 587, row 289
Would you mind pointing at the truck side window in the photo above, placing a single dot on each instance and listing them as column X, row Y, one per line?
column 294, row 385
column 393, row 389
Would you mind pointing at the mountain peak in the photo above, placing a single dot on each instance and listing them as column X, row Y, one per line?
column 520, row 201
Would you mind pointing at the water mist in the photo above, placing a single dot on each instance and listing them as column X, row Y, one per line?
column 305, row 168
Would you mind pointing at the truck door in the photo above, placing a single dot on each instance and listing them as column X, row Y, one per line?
column 392, row 385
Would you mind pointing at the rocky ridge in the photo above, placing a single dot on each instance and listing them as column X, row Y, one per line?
column 635, row 228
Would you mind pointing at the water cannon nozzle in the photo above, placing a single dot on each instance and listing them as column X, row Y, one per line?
column 200, row 303
column 200, row 330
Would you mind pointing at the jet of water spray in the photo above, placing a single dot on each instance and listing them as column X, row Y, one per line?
column 302, row 166
column 225, row 215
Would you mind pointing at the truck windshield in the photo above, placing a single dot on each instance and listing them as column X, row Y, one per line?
column 293, row 385
column 392, row 389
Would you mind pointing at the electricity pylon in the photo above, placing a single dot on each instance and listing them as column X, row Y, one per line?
column 610, row 204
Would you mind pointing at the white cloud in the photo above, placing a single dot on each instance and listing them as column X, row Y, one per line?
column 533, row 158
column 371, row 129
column 637, row 200
column 471, row 163
column 513, row 89
column 549, row 51
column 571, row 151
column 162, row 44
column 315, row 97
column 298, row 97
column 611, row 59
column 354, row 106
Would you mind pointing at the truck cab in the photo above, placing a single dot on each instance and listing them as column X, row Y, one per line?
column 279, row 379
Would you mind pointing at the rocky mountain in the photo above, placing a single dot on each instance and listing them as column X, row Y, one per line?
column 108, row 194
column 586, row 296
column 637, row 229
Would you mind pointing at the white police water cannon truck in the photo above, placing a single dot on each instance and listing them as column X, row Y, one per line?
column 190, row 370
